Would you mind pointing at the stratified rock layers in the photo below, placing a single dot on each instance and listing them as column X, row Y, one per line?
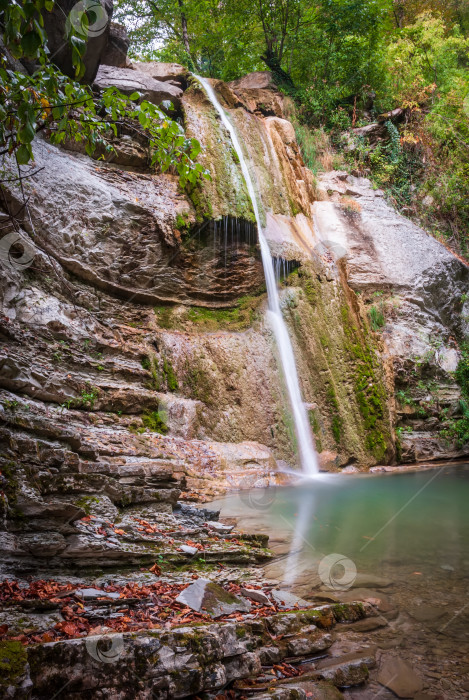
column 136, row 356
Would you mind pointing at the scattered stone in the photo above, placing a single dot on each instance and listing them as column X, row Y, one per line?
column 348, row 670
column 269, row 655
column 285, row 600
column 311, row 641
column 369, row 624
column 187, row 549
column 397, row 675
column 209, row 597
column 258, row 596
column 220, row 527
column 93, row 593
column 370, row 581
column 426, row 613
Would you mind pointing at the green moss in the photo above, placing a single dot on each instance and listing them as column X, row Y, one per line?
column 9, row 472
column 200, row 201
column 237, row 318
column 457, row 428
column 309, row 285
column 182, row 224
column 150, row 363
column 336, row 418
column 13, row 661
column 169, row 375
column 86, row 502
column 344, row 368
column 164, row 316
column 153, row 421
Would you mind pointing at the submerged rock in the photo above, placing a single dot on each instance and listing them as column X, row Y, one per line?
column 209, row 597
column 397, row 675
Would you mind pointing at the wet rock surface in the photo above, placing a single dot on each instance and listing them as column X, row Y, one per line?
column 138, row 377
column 206, row 595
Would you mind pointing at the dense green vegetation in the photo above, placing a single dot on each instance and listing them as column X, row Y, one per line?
column 457, row 427
column 344, row 62
column 38, row 97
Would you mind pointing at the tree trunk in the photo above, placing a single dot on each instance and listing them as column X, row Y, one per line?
column 185, row 35
column 281, row 77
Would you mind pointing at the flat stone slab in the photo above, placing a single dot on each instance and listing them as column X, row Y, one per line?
column 207, row 596
column 397, row 675
column 92, row 593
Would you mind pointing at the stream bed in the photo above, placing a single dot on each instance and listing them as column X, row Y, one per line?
column 400, row 539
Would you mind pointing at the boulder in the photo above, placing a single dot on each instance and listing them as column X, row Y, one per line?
column 209, row 597
column 165, row 72
column 258, row 80
column 115, row 51
column 129, row 81
column 310, row 641
column 55, row 25
column 256, row 595
column 347, row 670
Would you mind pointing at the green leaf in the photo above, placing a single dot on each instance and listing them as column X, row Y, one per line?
column 24, row 154
column 30, row 43
column 27, row 133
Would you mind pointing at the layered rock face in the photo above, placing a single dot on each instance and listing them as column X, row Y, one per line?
column 137, row 359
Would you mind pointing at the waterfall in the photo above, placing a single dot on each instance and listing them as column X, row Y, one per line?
column 308, row 457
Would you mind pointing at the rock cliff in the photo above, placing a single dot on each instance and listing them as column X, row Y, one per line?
column 137, row 362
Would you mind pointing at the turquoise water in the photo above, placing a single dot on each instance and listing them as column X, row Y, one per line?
column 400, row 540
column 421, row 518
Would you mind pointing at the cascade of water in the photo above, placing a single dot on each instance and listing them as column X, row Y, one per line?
column 308, row 457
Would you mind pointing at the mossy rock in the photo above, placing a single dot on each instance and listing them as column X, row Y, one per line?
column 13, row 663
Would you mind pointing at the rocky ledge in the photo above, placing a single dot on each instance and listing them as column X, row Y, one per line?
column 257, row 651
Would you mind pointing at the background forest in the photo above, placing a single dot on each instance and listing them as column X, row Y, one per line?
column 344, row 63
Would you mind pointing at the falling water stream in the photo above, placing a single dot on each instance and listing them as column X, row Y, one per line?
column 308, row 457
